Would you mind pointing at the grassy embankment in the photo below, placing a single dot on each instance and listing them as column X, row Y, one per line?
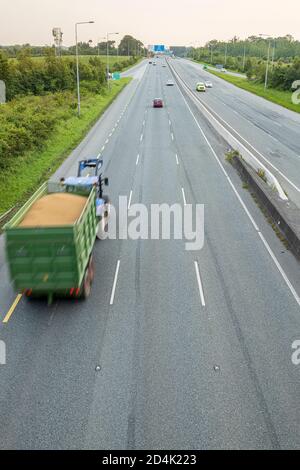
column 283, row 98
column 21, row 175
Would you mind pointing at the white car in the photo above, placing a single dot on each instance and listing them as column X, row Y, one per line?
column 170, row 83
column 208, row 84
column 223, row 70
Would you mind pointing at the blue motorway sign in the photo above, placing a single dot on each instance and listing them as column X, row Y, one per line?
column 116, row 76
column 159, row 48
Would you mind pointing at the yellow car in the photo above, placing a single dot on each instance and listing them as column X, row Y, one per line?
column 200, row 86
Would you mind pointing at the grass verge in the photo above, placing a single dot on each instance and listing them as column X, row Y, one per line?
column 27, row 172
column 283, row 98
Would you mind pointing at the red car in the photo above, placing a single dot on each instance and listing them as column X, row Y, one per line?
column 158, row 103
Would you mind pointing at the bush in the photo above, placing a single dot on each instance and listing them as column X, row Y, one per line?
column 26, row 76
column 26, row 123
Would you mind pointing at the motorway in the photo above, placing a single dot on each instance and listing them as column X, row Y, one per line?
column 174, row 349
column 271, row 130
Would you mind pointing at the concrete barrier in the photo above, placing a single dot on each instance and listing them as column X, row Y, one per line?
column 286, row 215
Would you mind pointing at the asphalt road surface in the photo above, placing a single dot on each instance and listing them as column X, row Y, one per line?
column 174, row 349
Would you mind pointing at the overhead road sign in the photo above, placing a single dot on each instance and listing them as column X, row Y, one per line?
column 159, row 48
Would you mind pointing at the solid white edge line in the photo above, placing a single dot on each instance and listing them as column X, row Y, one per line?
column 199, row 284
column 280, row 269
column 183, row 195
column 137, row 159
column 278, row 265
column 113, row 291
column 221, row 166
column 130, row 197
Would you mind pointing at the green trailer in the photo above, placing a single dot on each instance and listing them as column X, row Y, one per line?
column 55, row 260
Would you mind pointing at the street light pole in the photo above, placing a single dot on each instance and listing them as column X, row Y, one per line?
column 77, row 63
column 104, row 37
column 107, row 56
column 225, row 54
column 273, row 54
column 244, row 59
column 268, row 59
column 267, row 67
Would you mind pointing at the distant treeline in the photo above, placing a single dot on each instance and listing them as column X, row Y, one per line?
column 26, row 76
column 283, row 49
column 250, row 57
column 129, row 46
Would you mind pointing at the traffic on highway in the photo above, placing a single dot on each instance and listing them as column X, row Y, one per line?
column 149, row 284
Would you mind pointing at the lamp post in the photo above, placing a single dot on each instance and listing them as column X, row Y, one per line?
column 244, row 58
column 107, row 56
column 268, row 59
column 77, row 63
column 104, row 37
column 273, row 54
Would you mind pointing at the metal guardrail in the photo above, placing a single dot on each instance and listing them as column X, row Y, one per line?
column 3, row 216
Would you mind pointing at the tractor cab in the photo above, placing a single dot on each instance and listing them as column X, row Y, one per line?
column 88, row 175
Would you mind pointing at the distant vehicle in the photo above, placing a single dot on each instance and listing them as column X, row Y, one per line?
column 200, row 86
column 150, row 61
column 223, row 70
column 208, row 84
column 170, row 83
column 163, row 65
column 158, row 103
column 153, row 63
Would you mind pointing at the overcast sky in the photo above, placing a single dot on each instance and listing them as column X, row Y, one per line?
column 170, row 22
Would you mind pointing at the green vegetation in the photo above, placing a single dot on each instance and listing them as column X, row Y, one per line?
column 113, row 60
column 39, row 125
column 262, row 174
column 29, row 76
column 231, row 154
column 250, row 57
column 281, row 97
column 38, row 132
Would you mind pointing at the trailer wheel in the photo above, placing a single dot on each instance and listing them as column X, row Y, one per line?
column 91, row 269
column 86, row 286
